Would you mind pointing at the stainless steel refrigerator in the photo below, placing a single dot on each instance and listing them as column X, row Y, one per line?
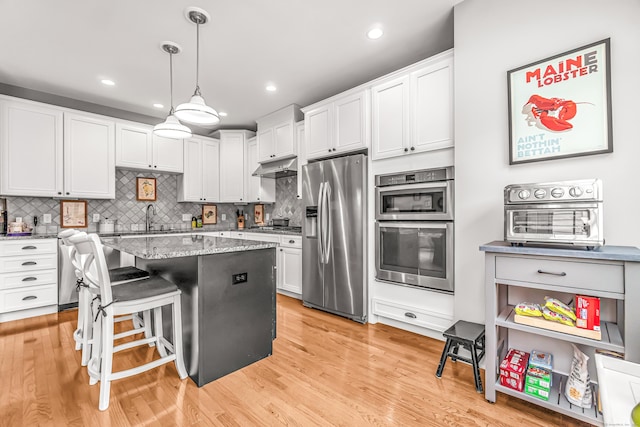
column 334, row 263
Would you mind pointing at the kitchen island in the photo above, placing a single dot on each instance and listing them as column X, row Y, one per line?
column 228, row 296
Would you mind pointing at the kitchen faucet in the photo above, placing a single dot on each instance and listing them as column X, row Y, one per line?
column 150, row 207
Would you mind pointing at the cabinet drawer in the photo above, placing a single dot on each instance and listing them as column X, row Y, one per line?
column 412, row 315
column 261, row 237
column 23, row 279
column 28, row 263
column 291, row 241
column 31, row 297
column 28, row 247
column 568, row 274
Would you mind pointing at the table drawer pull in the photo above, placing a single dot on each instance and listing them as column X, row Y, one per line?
column 29, row 279
column 30, row 297
column 562, row 273
column 411, row 315
column 24, row 248
column 29, row 263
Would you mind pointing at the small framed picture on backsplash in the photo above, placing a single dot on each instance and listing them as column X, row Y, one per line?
column 258, row 214
column 209, row 214
column 73, row 213
column 146, row 189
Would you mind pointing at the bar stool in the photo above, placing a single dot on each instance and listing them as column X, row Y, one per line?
column 147, row 294
column 83, row 333
column 471, row 337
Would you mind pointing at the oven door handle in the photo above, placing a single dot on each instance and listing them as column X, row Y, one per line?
column 319, row 223
column 415, row 187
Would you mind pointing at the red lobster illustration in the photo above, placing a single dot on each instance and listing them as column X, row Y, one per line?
column 553, row 113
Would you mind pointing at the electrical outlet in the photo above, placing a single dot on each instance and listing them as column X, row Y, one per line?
column 18, row 219
column 266, row 218
column 46, row 218
column 224, row 217
column 96, row 217
column 186, row 217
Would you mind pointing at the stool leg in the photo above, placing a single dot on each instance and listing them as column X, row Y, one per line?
column 476, row 369
column 455, row 350
column 146, row 319
column 157, row 323
column 176, row 320
column 443, row 358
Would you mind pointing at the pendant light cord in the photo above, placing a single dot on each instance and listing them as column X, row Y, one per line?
column 197, row 92
column 171, row 82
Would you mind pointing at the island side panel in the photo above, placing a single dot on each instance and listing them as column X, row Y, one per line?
column 236, row 319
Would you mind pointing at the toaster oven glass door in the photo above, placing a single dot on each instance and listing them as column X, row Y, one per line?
column 416, row 254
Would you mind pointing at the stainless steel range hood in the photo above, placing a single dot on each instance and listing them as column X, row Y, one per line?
column 277, row 168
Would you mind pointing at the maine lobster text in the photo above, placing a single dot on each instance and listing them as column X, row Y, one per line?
column 537, row 145
column 571, row 68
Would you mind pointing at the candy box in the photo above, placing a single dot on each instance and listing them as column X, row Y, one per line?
column 538, row 392
column 513, row 368
column 541, row 359
column 588, row 312
column 539, row 377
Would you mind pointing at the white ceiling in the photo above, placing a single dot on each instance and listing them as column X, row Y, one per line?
column 309, row 49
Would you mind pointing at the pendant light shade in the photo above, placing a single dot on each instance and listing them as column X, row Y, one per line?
column 171, row 127
column 196, row 111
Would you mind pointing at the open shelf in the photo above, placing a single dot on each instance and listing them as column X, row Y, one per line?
column 558, row 402
column 611, row 337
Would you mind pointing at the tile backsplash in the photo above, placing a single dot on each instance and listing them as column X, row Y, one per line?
column 130, row 214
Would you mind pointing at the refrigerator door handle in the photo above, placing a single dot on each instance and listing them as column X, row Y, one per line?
column 319, row 222
column 328, row 228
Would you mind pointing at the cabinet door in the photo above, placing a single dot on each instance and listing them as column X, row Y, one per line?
column 290, row 270
column 211, row 170
column 302, row 156
column 167, row 154
column 351, row 115
column 432, row 107
column 318, row 132
column 133, row 146
column 284, row 141
column 232, row 167
column 31, row 141
column 190, row 183
column 89, row 157
column 266, row 145
column 390, row 118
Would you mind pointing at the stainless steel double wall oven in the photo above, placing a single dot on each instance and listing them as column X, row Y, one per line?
column 414, row 228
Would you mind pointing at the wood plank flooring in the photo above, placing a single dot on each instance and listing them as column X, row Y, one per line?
column 325, row 371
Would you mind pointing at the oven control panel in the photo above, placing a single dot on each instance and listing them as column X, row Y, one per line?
column 415, row 177
column 550, row 192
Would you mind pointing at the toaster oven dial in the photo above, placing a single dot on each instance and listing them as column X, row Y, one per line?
column 557, row 192
column 575, row 191
column 540, row 193
column 524, row 194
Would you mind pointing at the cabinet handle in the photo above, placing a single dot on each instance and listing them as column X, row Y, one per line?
column 24, row 248
column 29, row 279
column 67, row 193
column 280, row 250
column 562, row 273
column 411, row 315
column 413, row 148
column 60, row 192
column 27, row 298
column 334, row 149
column 149, row 165
column 29, row 263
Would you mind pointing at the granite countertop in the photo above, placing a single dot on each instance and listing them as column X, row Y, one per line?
column 610, row 253
column 163, row 247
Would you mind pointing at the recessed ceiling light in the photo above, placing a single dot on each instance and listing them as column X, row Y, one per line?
column 222, row 113
column 158, row 105
column 107, row 82
column 270, row 88
column 375, row 33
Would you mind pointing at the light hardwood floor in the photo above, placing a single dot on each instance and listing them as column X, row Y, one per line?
column 325, row 371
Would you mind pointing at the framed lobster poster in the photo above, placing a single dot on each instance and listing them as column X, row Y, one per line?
column 561, row 106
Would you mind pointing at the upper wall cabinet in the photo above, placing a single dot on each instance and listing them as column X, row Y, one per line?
column 232, row 164
column 412, row 109
column 259, row 189
column 337, row 125
column 138, row 148
column 201, row 179
column 276, row 136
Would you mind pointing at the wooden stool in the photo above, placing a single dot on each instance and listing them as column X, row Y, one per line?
column 471, row 337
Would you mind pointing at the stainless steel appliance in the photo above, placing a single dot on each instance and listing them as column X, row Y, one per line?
column 556, row 213
column 334, row 235
column 414, row 228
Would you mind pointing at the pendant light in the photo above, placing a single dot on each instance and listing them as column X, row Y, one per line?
column 171, row 127
column 196, row 111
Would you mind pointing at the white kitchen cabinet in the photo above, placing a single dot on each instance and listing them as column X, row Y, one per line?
column 259, row 189
column 31, row 149
column 89, row 157
column 232, row 165
column 412, row 109
column 276, row 134
column 289, row 262
column 338, row 125
column 28, row 278
column 302, row 156
column 200, row 181
column 138, row 148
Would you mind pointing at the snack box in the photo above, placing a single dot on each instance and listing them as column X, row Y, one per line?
column 539, row 377
column 588, row 312
column 513, row 369
column 538, row 392
column 541, row 359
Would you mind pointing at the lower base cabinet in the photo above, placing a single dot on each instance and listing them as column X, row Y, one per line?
column 290, row 265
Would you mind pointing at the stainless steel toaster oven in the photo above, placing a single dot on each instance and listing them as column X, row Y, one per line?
column 556, row 213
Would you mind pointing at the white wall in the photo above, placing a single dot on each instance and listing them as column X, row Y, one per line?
column 494, row 36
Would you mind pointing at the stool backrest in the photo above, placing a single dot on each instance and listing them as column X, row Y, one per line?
column 94, row 265
column 70, row 250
